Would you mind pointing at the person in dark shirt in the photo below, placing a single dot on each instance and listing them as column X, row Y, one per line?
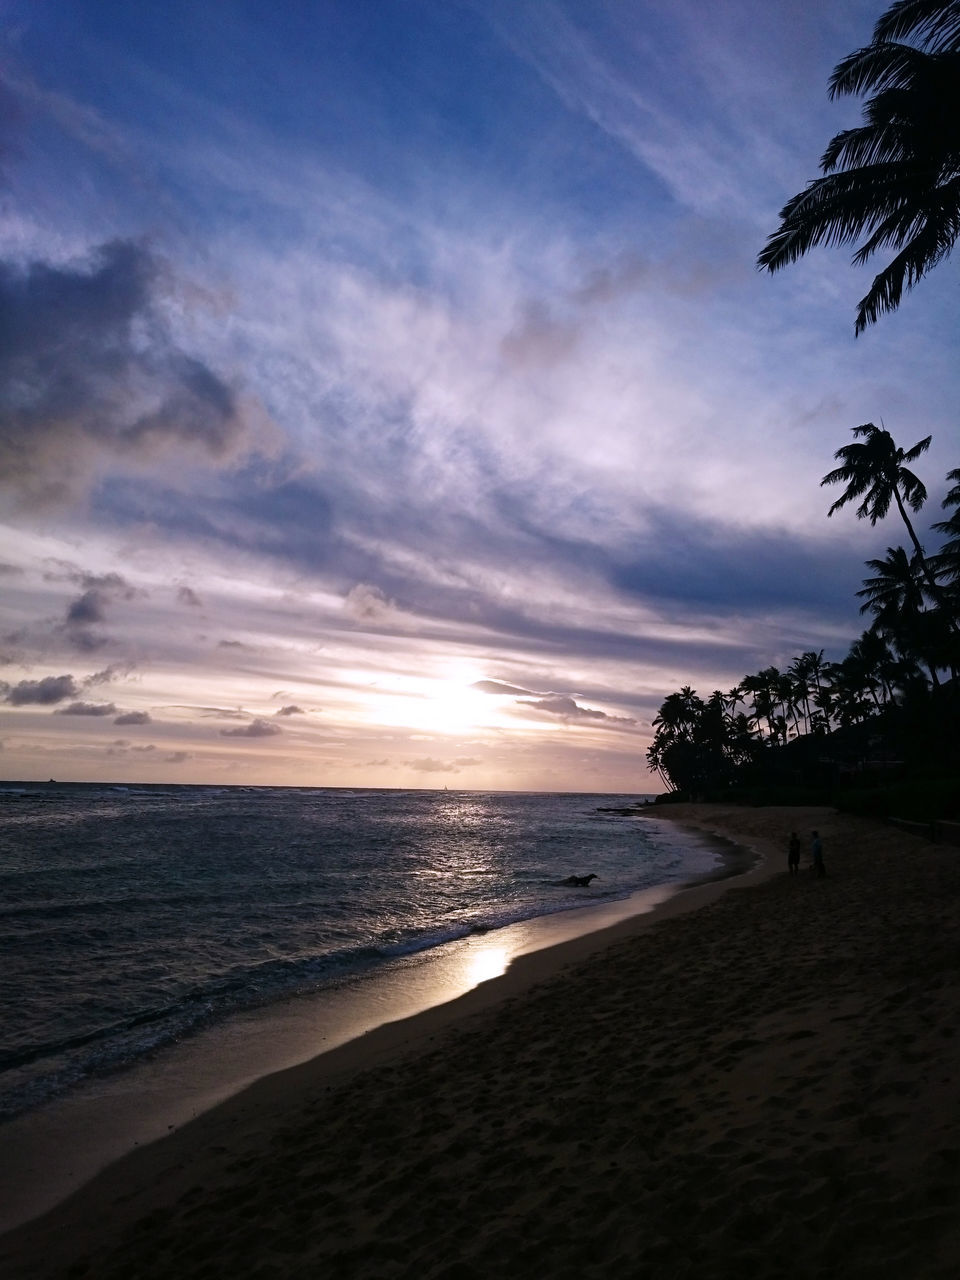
column 793, row 854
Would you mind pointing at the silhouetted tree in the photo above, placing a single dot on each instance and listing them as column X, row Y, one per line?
column 948, row 558
column 895, row 597
column 894, row 182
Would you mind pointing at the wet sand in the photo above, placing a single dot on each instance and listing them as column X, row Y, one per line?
column 767, row 1085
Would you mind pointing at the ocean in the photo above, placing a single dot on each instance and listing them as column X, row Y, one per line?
column 131, row 917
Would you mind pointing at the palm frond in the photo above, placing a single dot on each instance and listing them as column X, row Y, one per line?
column 879, row 66
column 843, row 206
column 872, row 144
column 903, row 272
column 953, row 494
column 913, row 489
column 894, row 181
column 934, row 23
column 929, row 228
column 921, row 447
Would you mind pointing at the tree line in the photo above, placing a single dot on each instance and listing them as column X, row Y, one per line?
column 911, row 646
column 890, row 184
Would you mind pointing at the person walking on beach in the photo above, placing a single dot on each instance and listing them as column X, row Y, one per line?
column 793, row 854
column 816, row 848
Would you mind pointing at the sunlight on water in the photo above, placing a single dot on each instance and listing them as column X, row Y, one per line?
column 201, row 903
column 488, row 962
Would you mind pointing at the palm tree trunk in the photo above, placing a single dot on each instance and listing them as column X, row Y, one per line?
column 935, row 591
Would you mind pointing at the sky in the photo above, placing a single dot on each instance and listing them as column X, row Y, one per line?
column 389, row 396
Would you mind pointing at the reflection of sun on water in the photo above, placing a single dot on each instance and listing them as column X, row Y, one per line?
column 486, row 963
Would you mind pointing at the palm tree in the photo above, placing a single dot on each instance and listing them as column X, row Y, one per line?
column 852, row 684
column 877, row 663
column 875, row 472
column 894, row 182
column 895, row 591
column 805, row 672
column 948, row 557
column 895, row 597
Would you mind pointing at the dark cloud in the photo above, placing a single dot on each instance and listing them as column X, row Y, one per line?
column 290, row 711
column 87, row 709
column 83, row 641
column 10, row 571
column 251, row 510
column 187, row 596
column 87, row 365
column 90, row 607
column 497, row 686
column 177, row 757
column 566, row 708
column 45, row 692
column 66, row 571
column 134, row 717
column 255, row 729
column 108, row 674
column 734, row 568
column 235, row 644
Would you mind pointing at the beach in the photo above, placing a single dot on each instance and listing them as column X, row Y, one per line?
column 760, row 1078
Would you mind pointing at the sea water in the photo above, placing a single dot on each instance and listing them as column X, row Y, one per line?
column 131, row 917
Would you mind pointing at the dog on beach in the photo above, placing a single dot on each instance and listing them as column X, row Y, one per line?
column 580, row 882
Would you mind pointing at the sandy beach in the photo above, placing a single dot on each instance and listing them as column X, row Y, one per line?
column 760, row 1079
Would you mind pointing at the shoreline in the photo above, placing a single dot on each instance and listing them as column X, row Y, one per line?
column 123, row 1112
column 765, row 1078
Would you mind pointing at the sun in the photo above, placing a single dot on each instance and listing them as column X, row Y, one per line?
column 445, row 704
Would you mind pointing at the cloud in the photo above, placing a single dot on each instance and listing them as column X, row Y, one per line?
column 10, row 571
column 539, row 338
column 134, row 717
column 498, row 687
column 11, row 127
column 366, row 603
column 187, row 596
column 255, row 729
column 88, row 608
column 566, row 709
column 107, row 675
column 290, row 711
column 43, row 692
column 177, row 757
column 87, row 709
column 426, row 764
column 87, row 366
column 209, row 713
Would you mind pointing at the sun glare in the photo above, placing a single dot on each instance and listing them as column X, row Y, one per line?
column 486, row 963
column 445, row 706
